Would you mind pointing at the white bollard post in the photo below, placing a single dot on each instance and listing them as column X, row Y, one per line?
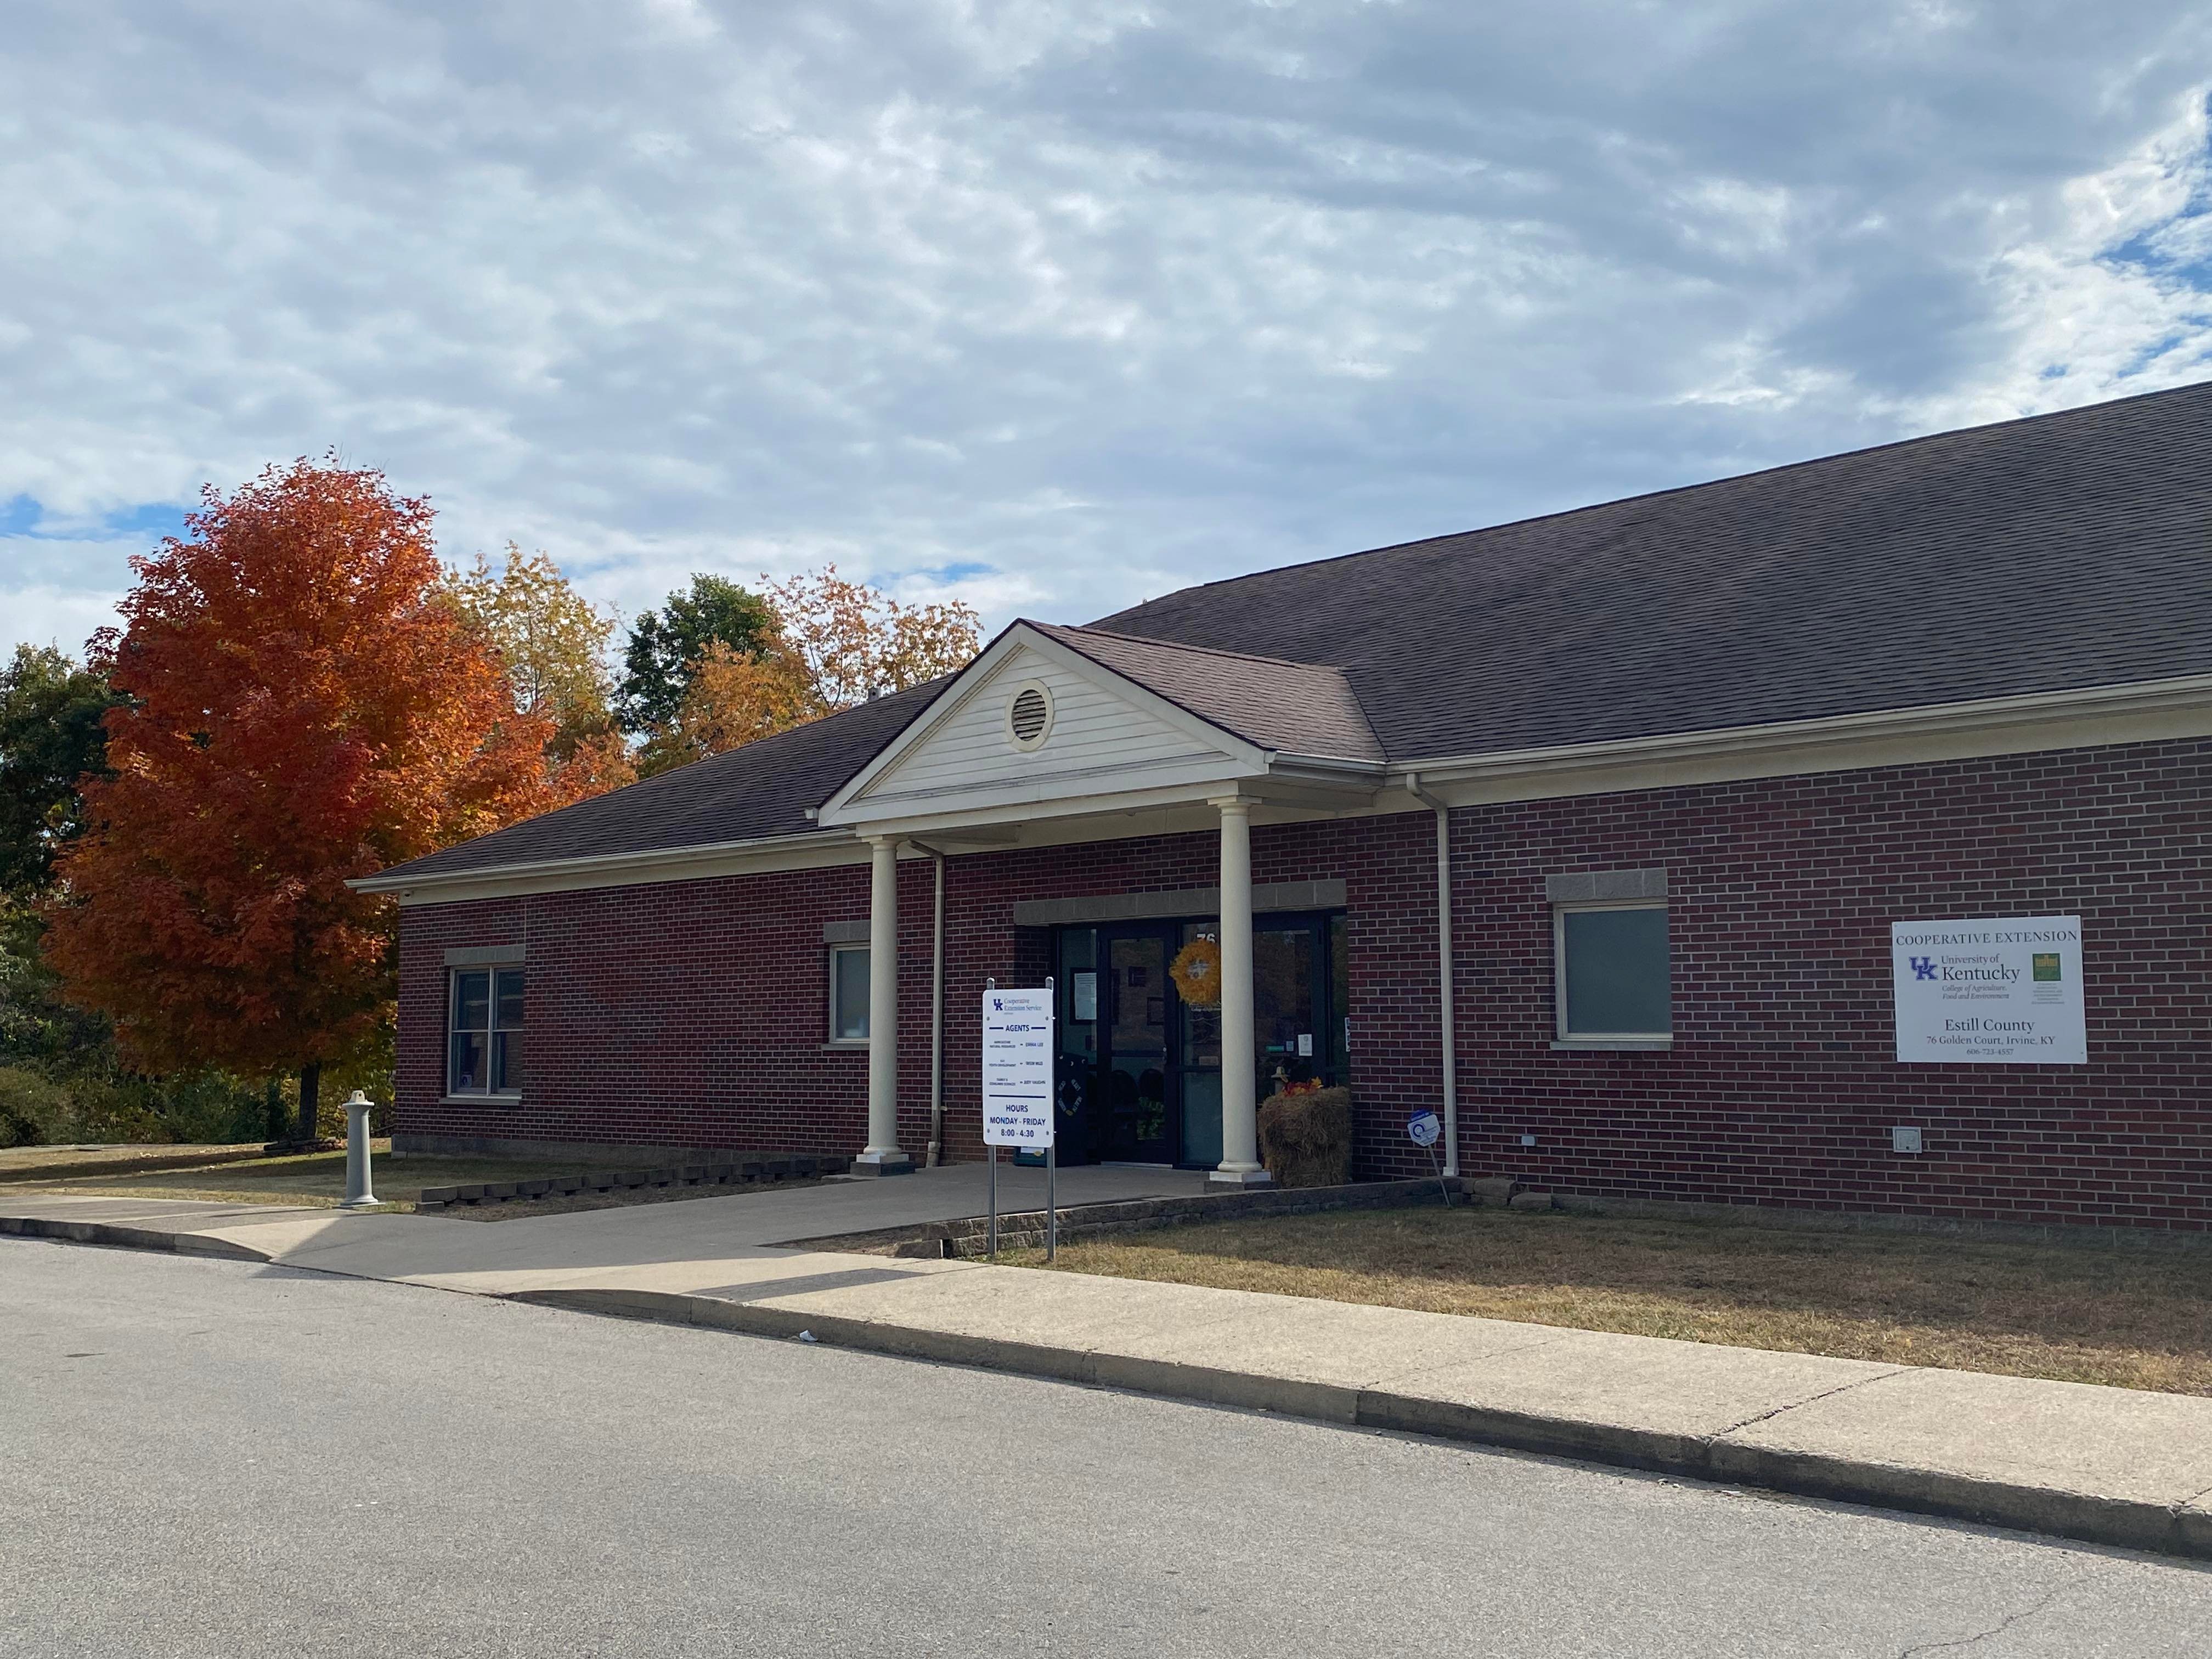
column 358, row 1195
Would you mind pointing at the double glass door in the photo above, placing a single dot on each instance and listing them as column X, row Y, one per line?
column 1140, row 1069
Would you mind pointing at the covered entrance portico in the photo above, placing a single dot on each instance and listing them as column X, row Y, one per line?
column 1041, row 744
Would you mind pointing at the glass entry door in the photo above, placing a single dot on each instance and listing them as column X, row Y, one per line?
column 1140, row 1069
column 1131, row 1123
column 1198, row 1072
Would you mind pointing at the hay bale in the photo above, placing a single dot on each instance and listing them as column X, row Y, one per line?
column 1305, row 1141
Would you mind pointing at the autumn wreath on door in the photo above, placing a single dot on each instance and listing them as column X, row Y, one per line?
column 1196, row 972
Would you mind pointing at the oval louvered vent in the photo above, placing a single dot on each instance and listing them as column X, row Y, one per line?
column 1029, row 716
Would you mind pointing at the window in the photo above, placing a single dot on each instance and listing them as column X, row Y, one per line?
column 486, row 1057
column 848, row 993
column 1615, row 983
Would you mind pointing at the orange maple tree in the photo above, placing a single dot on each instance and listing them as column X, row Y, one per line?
column 301, row 709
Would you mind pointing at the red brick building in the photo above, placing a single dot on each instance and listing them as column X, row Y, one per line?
column 1689, row 758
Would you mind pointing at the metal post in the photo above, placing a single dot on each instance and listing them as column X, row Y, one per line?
column 991, row 1157
column 1052, row 1156
column 1448, row 1020
column 936, row 1155
column 358, row 1194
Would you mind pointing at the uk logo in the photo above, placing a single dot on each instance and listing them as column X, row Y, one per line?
column 1923, row 967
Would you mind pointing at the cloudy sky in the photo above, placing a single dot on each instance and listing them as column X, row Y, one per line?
column 1054, row 305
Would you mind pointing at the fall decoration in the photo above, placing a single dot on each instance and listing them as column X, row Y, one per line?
column 1306, row 1136
column 1196, row 971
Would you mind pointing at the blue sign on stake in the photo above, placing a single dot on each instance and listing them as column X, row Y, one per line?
column 1423, row 1129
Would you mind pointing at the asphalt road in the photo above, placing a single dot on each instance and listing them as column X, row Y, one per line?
column 205, row 1457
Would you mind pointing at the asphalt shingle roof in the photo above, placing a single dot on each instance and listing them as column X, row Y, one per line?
column 2056, row 552
column 2061, row 551
column 762, row 789
column 1304, row 709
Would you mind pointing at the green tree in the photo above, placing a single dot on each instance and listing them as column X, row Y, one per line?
column 837, row 643
column 666, row 646
column 49, row 737
column 61, row 1078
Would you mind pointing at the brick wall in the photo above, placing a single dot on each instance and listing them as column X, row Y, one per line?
column 1782, row 1085
column 682, row 1013
column 693, row 1013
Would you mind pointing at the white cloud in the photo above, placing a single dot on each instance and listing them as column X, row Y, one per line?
column 59, row 612
column 1084, row 302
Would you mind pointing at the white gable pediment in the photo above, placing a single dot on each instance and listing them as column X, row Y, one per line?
column 1106, row 736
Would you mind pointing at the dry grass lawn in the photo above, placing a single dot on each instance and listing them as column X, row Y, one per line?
column 25, row 1161
column 310, row 1178
column 2131, row 1317
column 318, row 1179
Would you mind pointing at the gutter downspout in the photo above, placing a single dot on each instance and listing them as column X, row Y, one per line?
column 935, row 1155
column 1444, row 974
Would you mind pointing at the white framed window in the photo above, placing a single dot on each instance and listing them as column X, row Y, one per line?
column 1614, row 973
column 848, row 995
column 484, row 1021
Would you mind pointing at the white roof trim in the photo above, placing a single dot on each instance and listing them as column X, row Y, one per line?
column 620, row 869
column 1982, row 713
column 2140, row 712
column 1247, row 758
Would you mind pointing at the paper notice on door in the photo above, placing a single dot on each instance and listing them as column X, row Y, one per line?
column 1305, row 1045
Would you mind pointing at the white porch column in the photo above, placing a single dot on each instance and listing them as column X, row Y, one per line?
column 1240, row 1127
column 883, row 1156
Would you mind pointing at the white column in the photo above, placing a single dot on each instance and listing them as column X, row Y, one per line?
column 883, row 1156
column 1240, row 1127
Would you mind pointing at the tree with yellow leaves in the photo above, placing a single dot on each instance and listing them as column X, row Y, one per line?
column 837, row 644
column 552, row 642
column 858, row 643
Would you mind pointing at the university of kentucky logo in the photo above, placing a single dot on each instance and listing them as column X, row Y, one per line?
column 1923, row 967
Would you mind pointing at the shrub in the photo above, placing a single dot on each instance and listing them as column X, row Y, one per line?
column 32, row 1111
column 1305, row 1139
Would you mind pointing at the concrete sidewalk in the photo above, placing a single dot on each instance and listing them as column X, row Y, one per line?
column 2112, row 1466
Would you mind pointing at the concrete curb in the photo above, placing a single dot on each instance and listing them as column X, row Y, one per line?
column 129, row 1238
column 2125, row 1523
column 2182, row 1530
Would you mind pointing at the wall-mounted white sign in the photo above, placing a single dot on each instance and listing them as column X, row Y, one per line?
column 1017, row 1068
column 2006, row 992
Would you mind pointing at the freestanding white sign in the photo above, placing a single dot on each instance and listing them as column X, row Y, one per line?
column 1017, row 1068
column 2005, row 991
